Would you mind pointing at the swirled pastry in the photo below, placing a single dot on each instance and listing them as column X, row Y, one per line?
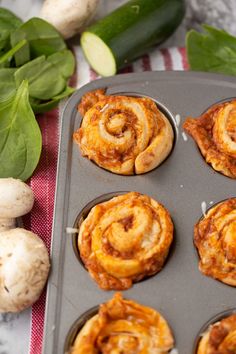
column 215, row 239
column 125, row 135
column 215, row 134
column 220, row 338
column 124, row 326
column 124, row 240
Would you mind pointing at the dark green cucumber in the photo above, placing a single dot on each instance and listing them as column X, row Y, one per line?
column 129, row 32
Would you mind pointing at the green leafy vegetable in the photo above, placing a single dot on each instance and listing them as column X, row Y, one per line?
column 8, row 23
column 213, row 50
column 42, row 37
column 20, row 136
column 8, row 20
column 64, row 61
column 42, row 106
column 8, row 55
column 22, row 56
column 35, row 67
column 47, row 77
column 4, row 40
column 7, row 82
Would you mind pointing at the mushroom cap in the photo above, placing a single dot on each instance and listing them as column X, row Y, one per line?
column 69, row 16
column 16, row 198
column 24, row 267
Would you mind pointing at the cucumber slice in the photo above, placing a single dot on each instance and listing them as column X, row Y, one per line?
column 98, row 54
column 129, row 32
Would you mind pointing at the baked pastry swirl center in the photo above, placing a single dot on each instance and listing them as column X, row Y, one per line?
column 125, row 239
column 124, row 326
column 220, row 338
column 224, row 131
column 215, row 239
column 215, row 133
column 122, row 134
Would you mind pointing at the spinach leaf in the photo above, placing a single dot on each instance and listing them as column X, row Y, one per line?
column 8, row 20
column 42, row 37
column 47, row 77
column 20, row 136
column 8, row 23
column 64, row 61
column 213, row 50
column 8, row 55
column 7, row 82
column 22, row 56
column 42, row 106
column 4, row 40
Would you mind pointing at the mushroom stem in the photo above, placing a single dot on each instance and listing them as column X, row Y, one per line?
column 7, row 224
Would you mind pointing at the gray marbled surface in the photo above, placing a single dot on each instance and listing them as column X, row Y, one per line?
column 15, row 329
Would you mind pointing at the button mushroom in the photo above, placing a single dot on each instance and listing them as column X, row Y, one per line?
column 16, row 199
column 24, row 267
column 69, row 16
column 24, row 260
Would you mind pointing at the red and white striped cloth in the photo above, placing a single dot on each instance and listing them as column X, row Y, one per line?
column 44, row 180
column 159, row 59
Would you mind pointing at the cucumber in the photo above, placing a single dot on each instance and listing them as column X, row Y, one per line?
column 129, row 32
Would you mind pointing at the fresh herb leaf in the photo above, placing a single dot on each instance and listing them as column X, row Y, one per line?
column 42, row 106
column 42, row 37
column 20, row 136
column 47, row 77
column 7, row 82
column 213, row 50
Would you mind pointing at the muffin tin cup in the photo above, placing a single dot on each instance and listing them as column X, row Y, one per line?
column 184, row 296
column 166, row 113
column 84, row 213
column 77, row 326
column 211, row 206
column 220, row 316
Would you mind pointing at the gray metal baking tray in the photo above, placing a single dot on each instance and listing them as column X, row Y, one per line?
column 184, row 183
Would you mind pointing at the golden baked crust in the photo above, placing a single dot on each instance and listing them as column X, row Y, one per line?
column 215, row 134
column 124, row 326
column 220, row 338
column 124, row 135
column 124, row 240
column 215, row 239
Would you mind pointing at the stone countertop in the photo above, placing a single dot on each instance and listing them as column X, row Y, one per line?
column 15, row 328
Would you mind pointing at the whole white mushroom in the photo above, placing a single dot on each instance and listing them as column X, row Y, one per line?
column 68, row 16
column 16, row 198
column 24, row 268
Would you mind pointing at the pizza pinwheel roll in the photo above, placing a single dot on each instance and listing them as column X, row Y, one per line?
column 124, row 326
column 125, row 135
column 124, row 240
column 215, row 134
column 220, row 338
column 215, row 239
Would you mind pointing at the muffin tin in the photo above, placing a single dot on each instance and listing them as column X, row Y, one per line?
column 183, row 183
